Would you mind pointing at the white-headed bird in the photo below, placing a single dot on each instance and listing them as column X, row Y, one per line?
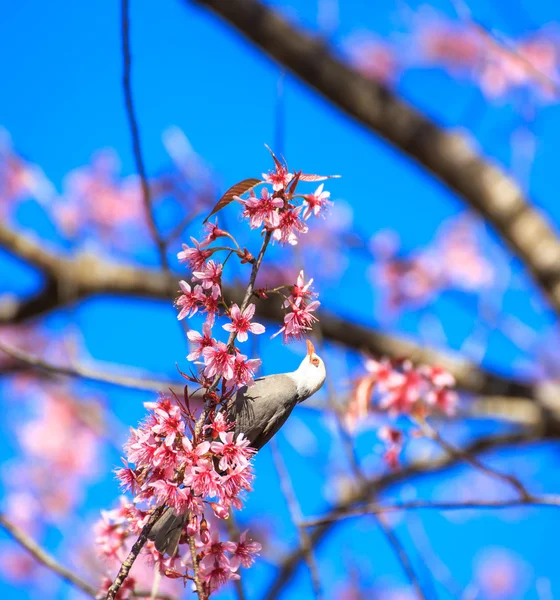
column 258, row 412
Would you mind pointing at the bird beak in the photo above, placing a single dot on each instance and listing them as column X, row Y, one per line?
column 310, row 349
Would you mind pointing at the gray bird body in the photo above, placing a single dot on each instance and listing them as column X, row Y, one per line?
column 258, row 412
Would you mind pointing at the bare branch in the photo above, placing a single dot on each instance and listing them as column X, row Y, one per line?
column 449, row 156
column 83, row 372
column 377, row 485
column 549, row 501
column 472, row 460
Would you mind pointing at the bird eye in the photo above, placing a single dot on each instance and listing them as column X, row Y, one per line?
column 315, row 361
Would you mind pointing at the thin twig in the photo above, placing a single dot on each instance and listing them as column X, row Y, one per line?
column 452, row 505
column 295, row 513
column 472, row 460
column 135, row 134
column 348, row 446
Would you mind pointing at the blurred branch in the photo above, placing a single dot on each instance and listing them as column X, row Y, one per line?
column 447, row 155
column 361, row 493
column 83, row 372
column 433, row 434
column 295, row 514
column 135, row 134
column 44, row 558
column 51, row 563
column 84, row 275
column 378, row 509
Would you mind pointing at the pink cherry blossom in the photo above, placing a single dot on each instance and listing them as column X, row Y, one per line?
column 262, row 210
column 300, row 291
column 244, row 370
column 241, row 322
column 202, row 341
column 215, row 576
column 244, row 553
column 196, row 256
column 219, row 362
column 211, row 276
column 316, row 203
column 193, row 454
column 210, row 304
column 279, row 178
column 218, row 425
column 169, row 493
column 438, row 376
column 299, row 321
column 203, row 479
column 443, row 399
column 189, row 301
column 232, row 452
column 215, row 552
column 290, row 224
column 213, row 232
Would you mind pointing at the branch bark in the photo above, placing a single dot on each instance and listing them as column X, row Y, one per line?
column 447, row 155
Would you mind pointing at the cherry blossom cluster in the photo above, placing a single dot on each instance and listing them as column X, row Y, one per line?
column 399, row 388
column 168, row 464
column 453, row 261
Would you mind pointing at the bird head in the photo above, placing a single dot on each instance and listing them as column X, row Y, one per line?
column 311, row 373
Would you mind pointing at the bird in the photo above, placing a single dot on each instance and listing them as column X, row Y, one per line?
column 258, row 411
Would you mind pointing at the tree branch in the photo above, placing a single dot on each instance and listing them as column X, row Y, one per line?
column 80, row 371
column 550, row 501
column 84, row 275
column 45, row 558
column 448, row 156
column 377, row 485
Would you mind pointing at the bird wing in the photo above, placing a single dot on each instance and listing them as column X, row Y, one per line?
column 260, row 410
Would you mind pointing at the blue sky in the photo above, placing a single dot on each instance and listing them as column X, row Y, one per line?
column 62, row 101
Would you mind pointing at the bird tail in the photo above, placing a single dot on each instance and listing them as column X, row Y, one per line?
column 167, row 531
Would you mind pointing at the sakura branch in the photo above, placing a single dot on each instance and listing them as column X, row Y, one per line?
column 188, row 471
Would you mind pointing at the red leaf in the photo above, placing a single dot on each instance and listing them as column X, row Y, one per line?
column 235, row 190
column 304, row 177
column 293, row 184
